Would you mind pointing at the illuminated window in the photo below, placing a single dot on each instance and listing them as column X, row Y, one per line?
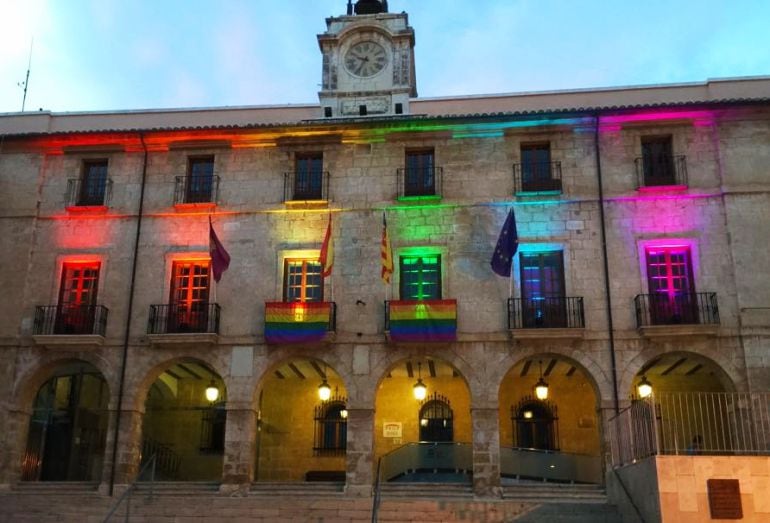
column 419, row 173
column 302, row 280
column 308, row 176
column 436, row 419
column 77, row 298
column 535, row 425
column 658, row 161
column 93, row 183
column 200, row 180
column 188, row 308
column 542, row 289
column 420, row 277
column 671, row 285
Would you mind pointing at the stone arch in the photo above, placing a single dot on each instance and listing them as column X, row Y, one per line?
column 730, row 375
column 28, row 384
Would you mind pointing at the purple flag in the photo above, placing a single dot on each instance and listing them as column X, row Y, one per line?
column 507, row 245
column 220, row 259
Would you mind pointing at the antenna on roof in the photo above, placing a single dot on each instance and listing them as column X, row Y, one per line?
column 25, row 84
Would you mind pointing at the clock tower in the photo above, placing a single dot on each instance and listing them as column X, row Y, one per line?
column 368, row 62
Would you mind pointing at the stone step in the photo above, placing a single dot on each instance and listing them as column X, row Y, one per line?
column 425, row 490
column 178, row 488
column 56, row 487
column 555, row 495
column 571, row 513
column 296, row 488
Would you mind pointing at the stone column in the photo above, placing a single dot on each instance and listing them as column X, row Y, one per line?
column 240, row 448
column 486, row 452
column 360, row 452
column 14, row 446
column 129, row 452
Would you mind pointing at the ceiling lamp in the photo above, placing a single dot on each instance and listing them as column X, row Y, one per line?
column 644, row 389
column 324, row 390
column 212, row 392
column 541, row 387
column 420, row 390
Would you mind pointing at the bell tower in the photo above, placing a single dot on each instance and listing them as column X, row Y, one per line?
column 368, row 62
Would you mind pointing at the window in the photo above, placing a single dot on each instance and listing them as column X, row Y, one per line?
column 331, row 427
column 200, row 180
column 188, row 307
column 542, row 289
column 436, row 419
column 420, row 277
column 77, row 298
column 671, row 285
column 419, row 173
column 537, row 170
column 658, row 161
column 93, row 183
column 213, row 422
column 535, row 425
column 308, row 176
column 302, row 280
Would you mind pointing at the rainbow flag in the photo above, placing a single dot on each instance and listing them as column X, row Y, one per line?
column 296, row 322
column 423, row 320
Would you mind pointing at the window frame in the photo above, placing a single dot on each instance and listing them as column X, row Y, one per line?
column 330, row 427
column 420, row 187
column 199, row 187
column 403, row 283
column 307, row 173
column 303, row 284
column 658, row 166
column 94, row 175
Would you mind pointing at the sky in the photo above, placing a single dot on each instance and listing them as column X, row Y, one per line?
column 101, row 55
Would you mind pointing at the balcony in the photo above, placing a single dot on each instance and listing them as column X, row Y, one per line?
column 677, row 314
column 306, row 186
column 537, row 178
column 421, row 320
column 299, row 322
column 88, row 195
column 183, row 323
column 556, row 317
column 420, row 183
column 661, row 171
column 70, row 325
column 196, row 191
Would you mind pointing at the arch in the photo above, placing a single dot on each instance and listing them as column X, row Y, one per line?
column 653, row 361
column 301, row 435
column 66, row 439
column 182, row 426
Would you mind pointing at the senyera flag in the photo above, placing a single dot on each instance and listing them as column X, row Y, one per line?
column 220, row 259
column 386, row 255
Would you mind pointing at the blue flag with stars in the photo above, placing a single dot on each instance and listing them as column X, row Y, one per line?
column 507, row 245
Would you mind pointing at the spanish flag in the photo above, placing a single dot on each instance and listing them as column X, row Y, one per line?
column 386, row 254
column 327, row 251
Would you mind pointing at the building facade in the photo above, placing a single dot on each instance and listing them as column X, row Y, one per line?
column 641, row 257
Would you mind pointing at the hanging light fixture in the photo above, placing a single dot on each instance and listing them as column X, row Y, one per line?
column 212, row 392
column 541, row 387
column 324, row 390
column 644, row 388
column 420, row 390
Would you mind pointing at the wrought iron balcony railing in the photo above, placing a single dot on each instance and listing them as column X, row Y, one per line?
column 70, row 319
column 180, row 318
column 693, row 308
column 419, row 182
column 196, row 189
column 546, row 313
column 299, row 186
column 537, row 177
column 659, row 171
column 88, row 193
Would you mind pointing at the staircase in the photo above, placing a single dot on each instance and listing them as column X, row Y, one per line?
column 562, row 503
column 403, row 490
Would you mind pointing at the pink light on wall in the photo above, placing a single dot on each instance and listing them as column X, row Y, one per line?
column 700, row 117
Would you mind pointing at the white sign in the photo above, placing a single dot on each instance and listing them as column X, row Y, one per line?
column 391, row 429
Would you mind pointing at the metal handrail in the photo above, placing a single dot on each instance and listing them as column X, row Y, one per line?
column 685, row 308
column 536, row 177
column 376, row 494
column 66, row 319
column 661, row 170
column 127, row 494
column 546, row 313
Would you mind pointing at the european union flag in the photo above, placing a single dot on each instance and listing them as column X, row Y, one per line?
column 507, row 245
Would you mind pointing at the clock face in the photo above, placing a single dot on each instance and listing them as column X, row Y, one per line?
column 366, row 59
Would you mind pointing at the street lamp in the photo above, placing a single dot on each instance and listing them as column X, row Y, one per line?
column 420, row 390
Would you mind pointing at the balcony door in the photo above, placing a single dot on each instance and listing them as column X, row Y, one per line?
column 658, row 161
column 419, row 175
column 188, row 306
column 308, row 176
column 77, row 298
column 671, row 285
column 543, row 300
column 93, row 183
column 200, row 180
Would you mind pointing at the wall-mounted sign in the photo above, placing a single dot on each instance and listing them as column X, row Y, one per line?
column 391, row 429
column 724, row 498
